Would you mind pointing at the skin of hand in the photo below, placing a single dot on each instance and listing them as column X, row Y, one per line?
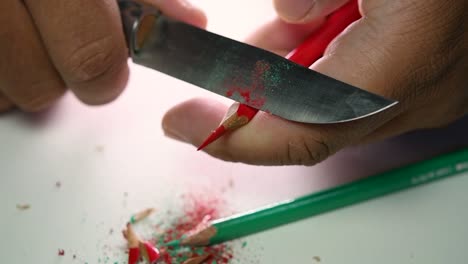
column 49, row 46
column 412, row 51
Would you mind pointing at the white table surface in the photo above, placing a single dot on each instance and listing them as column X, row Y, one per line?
column 99, row 154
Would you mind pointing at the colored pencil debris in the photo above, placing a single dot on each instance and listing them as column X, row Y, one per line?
column 141, row 215
column 196, row 215
column 197, row 260
column 139, row 248
column 23, row 207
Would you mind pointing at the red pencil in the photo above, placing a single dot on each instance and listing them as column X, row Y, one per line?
column 305, row 54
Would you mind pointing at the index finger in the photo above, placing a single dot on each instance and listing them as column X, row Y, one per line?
column 5, row 104
column 86, row 43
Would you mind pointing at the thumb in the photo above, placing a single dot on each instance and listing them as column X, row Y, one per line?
column 181, row 10
column 359, row 56
column 266, row 140
column 303, row 11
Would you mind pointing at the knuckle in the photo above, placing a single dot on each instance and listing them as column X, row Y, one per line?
column 307, row 151
column 37, row 98
column 36, row 103
column 5, row 108
column 92, row 60
column 306, row 13
column 5, row 105
column 223, row 154
column 448, row 111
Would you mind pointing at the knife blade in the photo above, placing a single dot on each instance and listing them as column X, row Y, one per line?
column 244, row 73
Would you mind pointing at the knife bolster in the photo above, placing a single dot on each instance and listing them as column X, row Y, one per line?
column 138, row 20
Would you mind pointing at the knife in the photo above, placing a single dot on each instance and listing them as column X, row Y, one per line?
column 249, row 75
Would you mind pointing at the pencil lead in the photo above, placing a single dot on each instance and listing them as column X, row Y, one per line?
column 217, row 133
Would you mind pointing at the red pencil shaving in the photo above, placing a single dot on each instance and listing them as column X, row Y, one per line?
column 138, row 247
column 305, row 54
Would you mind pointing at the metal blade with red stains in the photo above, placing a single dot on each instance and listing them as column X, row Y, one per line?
column 247, row 74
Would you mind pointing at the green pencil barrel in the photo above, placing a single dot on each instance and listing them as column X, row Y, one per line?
column 293, row 210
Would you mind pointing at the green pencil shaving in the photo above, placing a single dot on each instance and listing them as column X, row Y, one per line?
column 141, row 215
column 251, row 222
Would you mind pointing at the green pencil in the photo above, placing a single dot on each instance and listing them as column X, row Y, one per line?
column 251, row 222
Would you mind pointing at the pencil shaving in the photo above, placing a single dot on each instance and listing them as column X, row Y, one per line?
column 141, row 215
column 138, row 247
column 23, row 207
column 230, row 112
column 197, row 260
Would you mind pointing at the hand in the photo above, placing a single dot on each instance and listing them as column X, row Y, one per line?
column 49, row 45
column 415, row 52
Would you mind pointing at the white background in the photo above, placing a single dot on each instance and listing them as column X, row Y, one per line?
column 99, row 154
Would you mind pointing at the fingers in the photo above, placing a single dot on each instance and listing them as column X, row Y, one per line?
column 27, row 77
column 5, row 104
column 354, row 58
column 266, row 140
column 86, row 44
column 425, row 116
column 181, row 10
column 359, row 56
column 281, row 37
column 269, row 140
column 49, row 45
column 178, row 123
column 303, row 11
column 380, row 53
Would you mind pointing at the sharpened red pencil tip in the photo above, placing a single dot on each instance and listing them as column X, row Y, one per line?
column 237, row 116
column 217, row 133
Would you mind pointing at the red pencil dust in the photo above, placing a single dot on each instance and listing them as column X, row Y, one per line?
column 198, row 210
column 305, row 54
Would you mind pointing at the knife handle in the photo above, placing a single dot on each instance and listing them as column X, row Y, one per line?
column 137, row 21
